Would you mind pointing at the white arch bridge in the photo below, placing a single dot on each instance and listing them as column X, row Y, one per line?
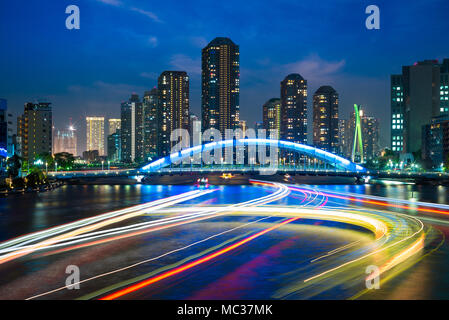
column 184, row 156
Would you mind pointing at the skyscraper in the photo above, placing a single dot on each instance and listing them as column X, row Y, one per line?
column 272, row 117
column 114, row 124
column 294, row 108
column 417, row 95
column 195, row 130
column 343, row 133
column 151, row 115
column 95, row 134
column 174, row 103
column 364, row 146
column 132, row 132
column 220, row 85
column 3, row 129
column 115, row 146
column 34, row 128
column 325, row 119
column 65, row 141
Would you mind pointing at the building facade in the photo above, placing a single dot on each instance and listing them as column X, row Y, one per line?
column 294, row 109
column 419, row 94
column 34, row 128
column 272, row 117
column 132, row 130
column 151, row 123
column 3, row 129
column 220, row 85
column 115, row 146
column 114, row 124
column 95, row 134
column 174, row 102
column 65, row 141
column 368, row 145
column 325, row 119
column 435, row 149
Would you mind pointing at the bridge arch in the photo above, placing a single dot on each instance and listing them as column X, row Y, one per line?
column 309, row 151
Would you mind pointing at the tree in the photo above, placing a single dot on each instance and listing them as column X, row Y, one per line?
column 14, row 164
column 64, row 160
column 35, row 178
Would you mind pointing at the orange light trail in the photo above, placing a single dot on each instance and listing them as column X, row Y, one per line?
column 193, row 264
column 379, row 203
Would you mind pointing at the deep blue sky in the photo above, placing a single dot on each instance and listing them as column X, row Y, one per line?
column 123, row 45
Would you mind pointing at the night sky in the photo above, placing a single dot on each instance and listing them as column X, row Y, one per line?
column 122, row 47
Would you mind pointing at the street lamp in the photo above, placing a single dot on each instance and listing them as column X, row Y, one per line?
column 56, row 166
column 109, row 165
column 46, row 168
column 102, row 162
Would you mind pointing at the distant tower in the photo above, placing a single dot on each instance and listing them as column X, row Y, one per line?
column 220, row 85
column 95, row 134
column 357, row 135
column 325, row 119
column 272, row 117
column 294, row 109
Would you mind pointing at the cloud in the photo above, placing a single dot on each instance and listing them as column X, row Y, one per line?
column 118, row 3
column 115, row 3
column 185, row 63
column 148, row 14
column 314, row 68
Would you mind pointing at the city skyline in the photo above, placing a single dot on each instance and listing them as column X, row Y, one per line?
column 78, row 88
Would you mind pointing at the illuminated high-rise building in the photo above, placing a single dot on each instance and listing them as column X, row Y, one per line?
column 419, row 94
column 114, row 124
column 220, row 85
column 272, row 117
column 325, row 119
column 3, row 130
column 65, row 141
column 361, row 136
column 132, row 130
column 173, row 89
column 294, row 109
column 34, row 129
column 95, row 134
column 151, row 116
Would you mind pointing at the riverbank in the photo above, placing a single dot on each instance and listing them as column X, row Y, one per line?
column 42, row 188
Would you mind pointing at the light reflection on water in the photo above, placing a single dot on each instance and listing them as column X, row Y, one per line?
column 32, row 212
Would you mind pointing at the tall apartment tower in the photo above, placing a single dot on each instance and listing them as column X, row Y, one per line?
column 417, row 95
column 95, row 134
column 3, row 129
column 65, row 141
column 220, row 85
column 173, row 89
column 34, row 128
column 114, row 124
column 132, row 132
column 272, row 117
column 364, row 145
column 294, row 109
column 151, row 116
column 325, row 119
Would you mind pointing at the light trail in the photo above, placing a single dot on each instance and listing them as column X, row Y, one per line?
column 385, row 202
column 178, row 270
column 279, row 194
column 116, row 218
